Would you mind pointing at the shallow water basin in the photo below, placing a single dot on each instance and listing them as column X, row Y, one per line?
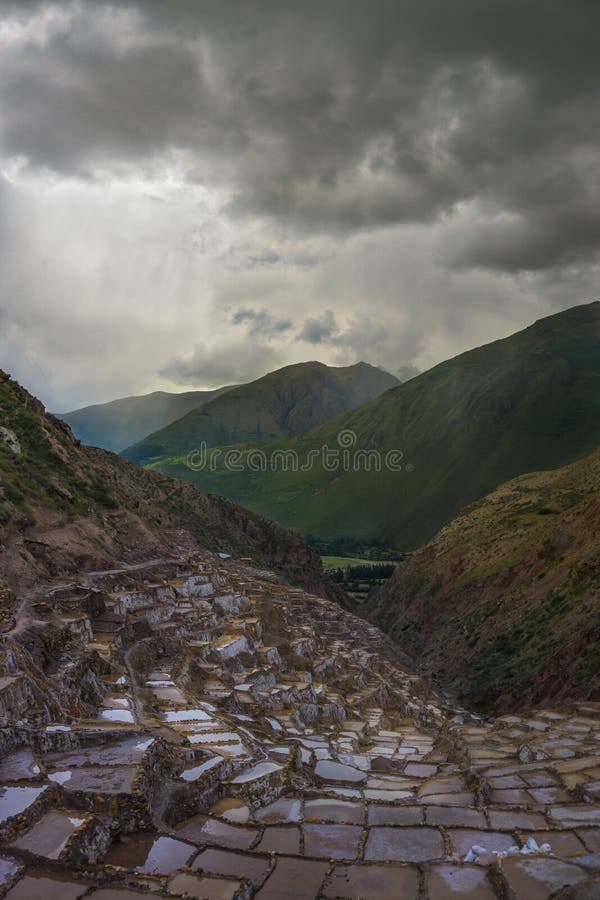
column 117, row 715
column 19, row 766
column 149, row 854
column 340, row 811
column 285, row 809
column 215, row 831
column 50, row 888
column 227, row 751
column 211, row 737
column 232, row 810
column 117, row 701
column 60, row 777
column 186, row 715
column 169, row 695
column 335, row 771
column 14, row 800
column 193, row 773
column 257, row 772
column 50, row 835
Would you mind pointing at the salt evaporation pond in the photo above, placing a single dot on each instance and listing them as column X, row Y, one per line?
column 13, row 800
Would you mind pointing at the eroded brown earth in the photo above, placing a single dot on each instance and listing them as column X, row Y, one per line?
column 198, row 729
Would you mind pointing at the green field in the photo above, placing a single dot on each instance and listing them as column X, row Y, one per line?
column 343, row 562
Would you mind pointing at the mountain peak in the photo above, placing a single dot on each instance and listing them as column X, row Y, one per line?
column 525, row 402
column 287, row 402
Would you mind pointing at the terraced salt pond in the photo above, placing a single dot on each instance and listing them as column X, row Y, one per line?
column 14, row 800
column 149, row 854
column 187, row 715
column 329, row 770
column 60, row 777
column 195, row 772
column 50, row 836
column 117, row 715
column 308, row 764
column 257, row 772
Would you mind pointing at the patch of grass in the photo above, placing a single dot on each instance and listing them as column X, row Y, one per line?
column 44, row 473
column 331, row 563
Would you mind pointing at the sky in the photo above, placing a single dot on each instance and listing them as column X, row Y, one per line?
column 194, row 193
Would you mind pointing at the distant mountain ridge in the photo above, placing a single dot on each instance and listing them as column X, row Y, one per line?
column 120, row 423
column 528, row 402
column 284, row 403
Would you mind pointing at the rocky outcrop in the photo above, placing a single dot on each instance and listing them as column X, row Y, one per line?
column 10, row 440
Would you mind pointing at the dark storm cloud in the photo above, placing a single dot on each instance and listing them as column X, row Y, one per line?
column 334, row 116
column 319, row 330
column 261, row 323
column 211, row 177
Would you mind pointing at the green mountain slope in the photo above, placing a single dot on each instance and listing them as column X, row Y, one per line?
column 120, row 423
column 504, row 603
column 284, row 403
column 527, row 402
column 66, row 508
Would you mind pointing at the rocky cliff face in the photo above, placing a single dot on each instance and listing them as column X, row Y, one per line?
column 65, row 507
column 504, row 603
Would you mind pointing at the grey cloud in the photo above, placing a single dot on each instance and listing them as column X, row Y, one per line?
column 517, row 246
column 405, row 373
column 426, row 172
column 365, row 338
column 554, row 222
column 229, row 362
column 261, row 323
column 267, row 259
column 319, row 330
column 332, row 116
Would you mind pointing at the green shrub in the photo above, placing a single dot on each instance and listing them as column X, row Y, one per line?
column 13, row 494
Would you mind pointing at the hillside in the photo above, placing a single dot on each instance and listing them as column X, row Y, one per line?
column 67, row 508
column 504, row 603
column 284, row 403
column 120, row 423
column 527, row 402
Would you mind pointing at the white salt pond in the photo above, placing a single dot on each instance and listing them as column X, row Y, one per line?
column 193, row 773
column 258, row 771
column 60, row 777
column 117, row 715
column 187, row 715
column 212, row 737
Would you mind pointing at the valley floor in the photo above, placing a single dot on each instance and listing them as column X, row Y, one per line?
column 197, row 728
